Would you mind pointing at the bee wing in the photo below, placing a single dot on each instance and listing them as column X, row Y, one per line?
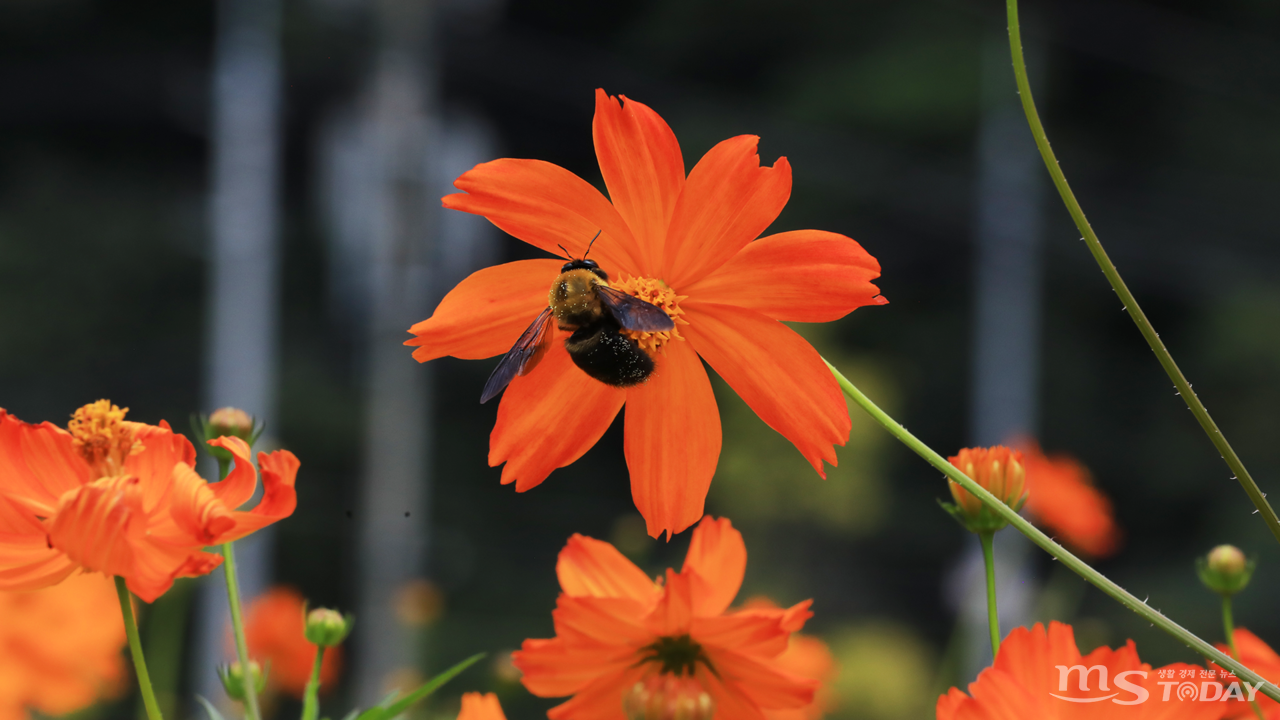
column 528, row 351
column 632, row 313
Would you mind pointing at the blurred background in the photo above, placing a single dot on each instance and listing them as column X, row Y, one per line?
column 237, row 202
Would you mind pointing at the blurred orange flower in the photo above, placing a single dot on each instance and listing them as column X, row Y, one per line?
column 686, row 245
column 1026, row 682
column 123, row 498
column 660, row 646
column 1260, row 658
column 60, row 647
column 477, row 706
column 1064, row 500
column 273, row 628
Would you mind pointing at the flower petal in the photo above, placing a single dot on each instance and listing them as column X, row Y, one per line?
column 727, row 202
column 480, row 706
column 238, row 486
column 601, row 700
column 549, row 418
column 718, row 559
column 751, row 634
column 611, row 621
column 101, row 526
column 547, row 206
column 764, row 686
column 594, row 568
column 551, row 668
column 643, row 169
column 486, row 312
column 800, row 276
column 672, row 440
column 674, row 612
column 776, row 372
column 37, row 464
column 162, row 449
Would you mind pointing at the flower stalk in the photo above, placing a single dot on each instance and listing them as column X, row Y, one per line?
column 1113, row 276
column 1229, row 626
column 237, row 627
column 1081, row 568
column 993, row 617
column 135, row 647
column 310, row 696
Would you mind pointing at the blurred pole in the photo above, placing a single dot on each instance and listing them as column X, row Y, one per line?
column 393, row 506
column 243, row 275
column 1006, row 342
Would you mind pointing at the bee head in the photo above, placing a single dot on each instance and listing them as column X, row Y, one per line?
column 585, row 264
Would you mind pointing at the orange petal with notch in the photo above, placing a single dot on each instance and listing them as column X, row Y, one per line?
column 800, row 276
column 485, row 314
column 728, row 200
column 588, row 567
column 672, row 440
column 643, row 170
column 779, row 375
column 547, row 206
column 549, row 418
column 718, row 558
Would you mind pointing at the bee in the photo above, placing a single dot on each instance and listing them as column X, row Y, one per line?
column 582, row 303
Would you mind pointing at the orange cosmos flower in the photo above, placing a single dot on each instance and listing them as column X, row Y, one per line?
column 629, row 647
column 477, row 706
column 60, row 648
column 273, row 629
column 1000, row 471
column 123, row 498
column 1027, row 681
column 1064, row 499
column 1260, row 658
column 686, row 245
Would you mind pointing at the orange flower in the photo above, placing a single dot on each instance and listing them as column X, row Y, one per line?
column 477, row 706
column 123, row 498
column 273, row 629
column 1260, row 658
column 1064, row 499
column 622, row 638
column 1000, row 471
column 1032, row 677
column 686, row 245
column 60, row 648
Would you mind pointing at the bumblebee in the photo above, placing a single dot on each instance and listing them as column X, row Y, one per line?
column 582, row 303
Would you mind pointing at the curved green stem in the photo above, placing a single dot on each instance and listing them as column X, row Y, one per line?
column 237, row 627
column 1081, row 568
column 135, row 647
column 1113, row 276
column 1229, row 627
column 311, row 695
column 993, row 617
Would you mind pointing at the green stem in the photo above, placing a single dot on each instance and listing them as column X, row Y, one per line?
column 993, row 618
column 237, row 627
column 1229, row 626
column 1113, row 276
column 1077, row 565
column 310, row 697
column 135, row 647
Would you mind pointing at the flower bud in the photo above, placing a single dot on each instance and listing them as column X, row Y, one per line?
column 1225, row 570
column 327, row 628
column 1001, row 472
column 668, row 697
column 232, row 677
column 230, row 421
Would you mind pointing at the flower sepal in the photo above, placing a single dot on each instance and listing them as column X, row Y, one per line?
column 232, row 677
column 1225, row 570
column 985, row 520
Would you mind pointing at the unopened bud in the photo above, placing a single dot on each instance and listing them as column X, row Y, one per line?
column 1226, row 570
column 667, row 697
column 232, row 677
column 327, row 628
column 999, row 471
column 230, row 421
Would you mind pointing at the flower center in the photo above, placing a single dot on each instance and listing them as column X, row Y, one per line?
column 667, row 697
column 677, row 654
column 102, row 438
column 655, row 292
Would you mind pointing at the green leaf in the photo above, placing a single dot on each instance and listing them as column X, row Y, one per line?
column 209, row 708
column 430, row 686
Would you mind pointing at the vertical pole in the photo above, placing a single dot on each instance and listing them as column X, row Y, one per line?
column 394, row 492
column 243, row 276
column 1006, row 341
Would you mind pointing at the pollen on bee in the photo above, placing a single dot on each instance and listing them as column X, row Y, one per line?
column 655, row 292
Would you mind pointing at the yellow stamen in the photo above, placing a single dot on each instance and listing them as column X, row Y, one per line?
column 656, row 292
column 102, row 437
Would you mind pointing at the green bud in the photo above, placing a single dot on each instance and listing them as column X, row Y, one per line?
column 1225, row 570
column 328, row 628
column 232, row 677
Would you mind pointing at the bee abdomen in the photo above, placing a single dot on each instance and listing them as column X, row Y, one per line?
column 604, row 354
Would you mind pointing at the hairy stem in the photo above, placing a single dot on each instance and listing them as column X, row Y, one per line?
column 1113, row 276
column 993, row 618
column 237, row 627
column 1081, row 568
column 135, row 647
